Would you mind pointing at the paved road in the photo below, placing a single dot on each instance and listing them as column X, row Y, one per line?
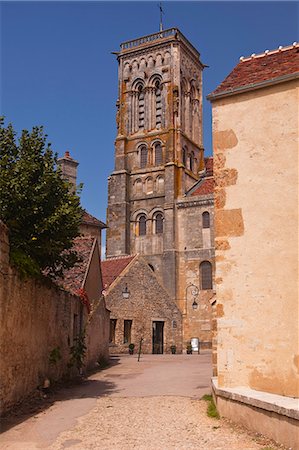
column 151, row 404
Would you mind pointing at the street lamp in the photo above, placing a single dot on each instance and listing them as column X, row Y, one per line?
column 194, row 292
column 126, row 292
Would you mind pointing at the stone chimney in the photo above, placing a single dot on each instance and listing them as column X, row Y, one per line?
column 69, row 168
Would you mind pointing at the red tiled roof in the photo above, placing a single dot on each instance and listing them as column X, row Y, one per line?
column 206, row 186
column 88, row 219
column 267, row 67
column 74, row 277
column 112, row 268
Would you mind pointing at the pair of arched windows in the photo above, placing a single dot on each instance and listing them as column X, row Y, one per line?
column 188, row 159
column 144, row 155
column 142, row 224
column 206, row 275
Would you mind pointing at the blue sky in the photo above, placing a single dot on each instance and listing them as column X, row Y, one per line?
column 57, row 69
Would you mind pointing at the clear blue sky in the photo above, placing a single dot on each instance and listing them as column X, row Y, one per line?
column 57, row 69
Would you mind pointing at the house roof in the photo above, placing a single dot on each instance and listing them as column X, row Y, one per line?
column 88, row 219
column 260, row 70
column 73, row 278
column 113, row 267
column 205, row 185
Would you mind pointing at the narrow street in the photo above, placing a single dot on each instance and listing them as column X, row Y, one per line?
column 151, row 404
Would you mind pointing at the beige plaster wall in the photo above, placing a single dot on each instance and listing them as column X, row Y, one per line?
column 255, row 138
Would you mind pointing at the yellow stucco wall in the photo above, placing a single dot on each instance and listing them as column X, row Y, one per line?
column 255, row 139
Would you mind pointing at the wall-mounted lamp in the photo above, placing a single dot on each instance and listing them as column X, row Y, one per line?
column 194, row 305
column 126, row 292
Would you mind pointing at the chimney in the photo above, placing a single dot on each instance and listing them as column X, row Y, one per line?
column 68, row 168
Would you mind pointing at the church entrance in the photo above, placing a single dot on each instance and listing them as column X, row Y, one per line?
column 158, row 337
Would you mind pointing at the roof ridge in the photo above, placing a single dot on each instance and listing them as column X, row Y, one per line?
column 269, row 52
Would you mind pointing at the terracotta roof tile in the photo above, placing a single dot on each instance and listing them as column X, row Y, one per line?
column 88, row 219
column 256, row 69
column 112, row 268
column 73, row 278
column 205, row 187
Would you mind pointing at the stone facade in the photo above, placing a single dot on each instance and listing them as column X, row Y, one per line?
column 153, row 207
column 147, row 307
column 255, row 135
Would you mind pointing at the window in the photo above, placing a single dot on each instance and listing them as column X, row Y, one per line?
column 149, row 185
column 184, row 156
column 127, row 331
column 158, row 154
column 142, row 225
column 143, row 156
column 151, row 267
column 138, row 187
column 158, row 104
column 140, row 108
column 159, row 223
column 206, row 275
column 112, row 331
column 206, row 220
column 191, row 164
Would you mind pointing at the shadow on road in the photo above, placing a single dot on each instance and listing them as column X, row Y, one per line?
column 78, row 388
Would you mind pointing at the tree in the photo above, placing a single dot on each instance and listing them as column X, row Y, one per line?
column 41, row 211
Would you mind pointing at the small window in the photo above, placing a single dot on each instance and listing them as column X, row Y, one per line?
column 159, row 223
column 191, row 162
column 206, row 220
column 206, row 275
column 143, row 156
column 112, row 331
column 151, row 267
column 127, row 331
column 158, row 154
column 142, row 225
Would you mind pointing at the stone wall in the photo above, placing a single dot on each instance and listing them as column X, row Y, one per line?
column 35, row 318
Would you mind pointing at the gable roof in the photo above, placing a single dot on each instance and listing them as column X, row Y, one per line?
column 113, row 267
column 256, row 71
column 88, row 219
column 205, row 185
column 73, row 279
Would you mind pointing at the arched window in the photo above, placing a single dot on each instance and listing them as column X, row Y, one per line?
column 184, row 156
column 206, row 220
column 158, row 154
column 191, row 164
column 140, row 107
column 159, row 223
column 142, row 225
column 160, row 184
column 138, row 187
column 143, row 156
column 149, row 185
column 206, row 275
column 158, row 104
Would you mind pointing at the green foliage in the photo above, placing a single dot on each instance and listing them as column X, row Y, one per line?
column 42, row 213
column 211, row 409
column 55, row 356
column 78, row 351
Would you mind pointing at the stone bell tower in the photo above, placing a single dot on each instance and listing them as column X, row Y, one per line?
column 158, row 148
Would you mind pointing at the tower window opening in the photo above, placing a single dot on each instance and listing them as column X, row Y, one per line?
column 158, row 105
column 184, row 156
column 158, row 154
column 206, row 275
column 142, row 225
column 159, row 223
column 206, row 220
column 143, row 156
column 191, row 162
column 140, row 108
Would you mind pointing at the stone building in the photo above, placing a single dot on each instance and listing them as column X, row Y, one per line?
column 160, row 194
column 255, row 136
column 140, row 307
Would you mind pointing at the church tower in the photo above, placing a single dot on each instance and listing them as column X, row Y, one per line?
column 158, row 148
